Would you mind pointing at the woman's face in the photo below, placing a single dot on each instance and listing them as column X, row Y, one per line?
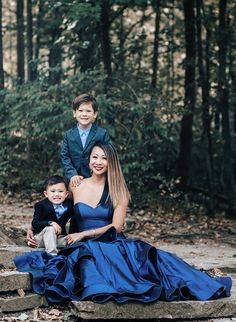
column 98, row 161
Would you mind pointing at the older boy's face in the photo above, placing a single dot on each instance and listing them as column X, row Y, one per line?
column 85, row 115
column 56, row 193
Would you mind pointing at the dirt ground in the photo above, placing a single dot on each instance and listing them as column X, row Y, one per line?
column 170, row 225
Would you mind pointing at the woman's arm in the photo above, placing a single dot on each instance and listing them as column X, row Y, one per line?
column 119, row 215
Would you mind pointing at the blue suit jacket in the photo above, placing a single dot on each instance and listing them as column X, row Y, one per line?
column 45, row 212
column 74, row 157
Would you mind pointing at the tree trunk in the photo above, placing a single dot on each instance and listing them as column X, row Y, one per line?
column 170, row 53
column 157, row 8
column 1, row 51
column 206, row 118
column 223, row 101
column 20, row 41
column 105, row 40
column 30, row 65
column 186, row 133
column 88, row 56
column 55, row 51
column 233, row 89
column 122, row 37
column 172, row 50
column 39, row 24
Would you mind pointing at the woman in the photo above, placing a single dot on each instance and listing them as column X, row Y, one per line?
column 100, row 264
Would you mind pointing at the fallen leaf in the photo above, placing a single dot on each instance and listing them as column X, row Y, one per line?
column 54, row 312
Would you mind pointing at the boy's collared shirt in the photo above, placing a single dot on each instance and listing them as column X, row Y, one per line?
column 59, row 210
column 84, row 134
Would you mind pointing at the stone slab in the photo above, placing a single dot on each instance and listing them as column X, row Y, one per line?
column 225, row 307
column 7, row 253
column 13, row 280
column 194, row 310
column 17, row 303
column 4, row 239
column 205, row 256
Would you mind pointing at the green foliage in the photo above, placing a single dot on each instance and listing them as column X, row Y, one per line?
column 37, row 115
column 143, row 121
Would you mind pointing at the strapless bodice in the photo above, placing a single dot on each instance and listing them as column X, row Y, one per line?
column 87, row 217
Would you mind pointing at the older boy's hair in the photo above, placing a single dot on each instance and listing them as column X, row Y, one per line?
column 55, row 179
column 84, row 98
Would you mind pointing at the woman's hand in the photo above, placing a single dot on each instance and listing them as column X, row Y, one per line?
column 72, row 238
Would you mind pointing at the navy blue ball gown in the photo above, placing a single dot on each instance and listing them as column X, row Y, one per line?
column 111, row 267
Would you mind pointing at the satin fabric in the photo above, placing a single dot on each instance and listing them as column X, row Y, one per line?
column 111, row 267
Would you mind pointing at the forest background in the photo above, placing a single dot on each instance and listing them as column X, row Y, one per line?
column 163, row 73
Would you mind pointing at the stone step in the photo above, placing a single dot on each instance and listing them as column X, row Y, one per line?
column 7, row 254
column 156, row 310
column 10, row 300
column 15, row 303
column 205, row 256
column 13, row 280
column 87, row 310
column 5, row 240
column 10, row 281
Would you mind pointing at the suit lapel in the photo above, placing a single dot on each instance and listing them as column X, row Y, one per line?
column 77, row 138
column 92, row 132
column 50, row 207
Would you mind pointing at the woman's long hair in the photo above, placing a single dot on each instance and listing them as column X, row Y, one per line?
column 118, row 191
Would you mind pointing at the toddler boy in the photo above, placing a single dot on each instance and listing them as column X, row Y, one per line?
column 50, row 216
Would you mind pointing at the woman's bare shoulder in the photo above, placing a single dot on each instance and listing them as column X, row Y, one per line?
column 83, row 184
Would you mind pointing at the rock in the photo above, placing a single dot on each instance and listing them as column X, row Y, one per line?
column 17, row 303
column 5, row 240
column 7, row 254
column 157, row 310
column 11, row 281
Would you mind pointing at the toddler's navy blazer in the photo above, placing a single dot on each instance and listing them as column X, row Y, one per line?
column 44, row 212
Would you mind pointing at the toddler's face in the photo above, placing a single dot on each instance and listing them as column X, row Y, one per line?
column 85, row 115
column 56, row 193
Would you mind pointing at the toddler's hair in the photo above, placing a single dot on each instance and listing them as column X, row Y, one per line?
column 54, row 180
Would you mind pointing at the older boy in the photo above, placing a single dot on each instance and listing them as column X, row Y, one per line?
column 50, row 216
column 79, row 140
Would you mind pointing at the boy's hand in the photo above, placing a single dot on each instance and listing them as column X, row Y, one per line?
column 30, row 238
column 56, row 227
column 76, row 180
